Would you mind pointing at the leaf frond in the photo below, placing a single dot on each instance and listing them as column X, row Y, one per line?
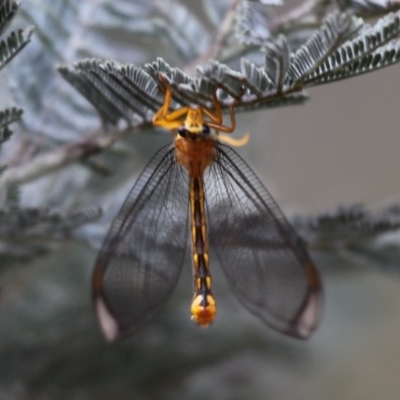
column 184, row 86
column 85, row 77
column 10, row 115
column 8, row 10
column 336, row 29
column 372, row 49
column 15, row 42
column 368, row 8
column 5, row 134
column 13, row 197
column 116, row 91
column 277, row 61
column 72, row 219
column 131, row 93
column 7, row 117
column 229, row 80
column 342, row 47
column 251, row 26
column 43, row 222
column 347, row 225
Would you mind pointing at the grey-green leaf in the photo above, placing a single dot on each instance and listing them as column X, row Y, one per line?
column 347, row 226
column 336, row 29
column 368, row 51
column 7, row 117
column 15, row 42
column 8, row 10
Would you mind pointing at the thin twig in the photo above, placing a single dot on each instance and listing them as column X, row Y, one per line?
column 293, row 18
column 220, row 40
column 54, row 160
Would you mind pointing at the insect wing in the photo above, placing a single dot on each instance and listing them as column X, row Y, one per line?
column 142, row 256
column 264, row 261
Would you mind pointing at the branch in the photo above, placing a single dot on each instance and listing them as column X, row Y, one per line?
column 65, row 155
column 293, row 19
column 219, row 42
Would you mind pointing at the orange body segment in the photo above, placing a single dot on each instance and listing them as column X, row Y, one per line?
column 203, row 309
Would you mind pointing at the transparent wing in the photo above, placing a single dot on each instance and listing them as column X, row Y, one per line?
column 142, row 255
column 264, row 261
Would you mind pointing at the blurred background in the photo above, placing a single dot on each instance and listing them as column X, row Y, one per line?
column 339, row 148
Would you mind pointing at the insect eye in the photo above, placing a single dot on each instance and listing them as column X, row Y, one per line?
column 206, row 129
column 182, row 131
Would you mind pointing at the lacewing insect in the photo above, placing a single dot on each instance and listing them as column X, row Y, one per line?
column 200, row 186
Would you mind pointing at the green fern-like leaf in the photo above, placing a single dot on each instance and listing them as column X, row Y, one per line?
column 71, row 220
column 124, row 91
column 276, row 61
column 368, row 8
column 22, row 223
column 10, row 47
column 347, row 225
column 13, row 197
column 5, row 134
column 79, row 80
column 329, row 53
column 335, row 30
column 342, row 47
column 116, row 91
column 380, row 58
column 8, row 10
column 15, row 220
column 251, row 26
column 7, row 117
column 374, row 48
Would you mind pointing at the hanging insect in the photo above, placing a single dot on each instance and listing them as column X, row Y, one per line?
column 200, row 184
